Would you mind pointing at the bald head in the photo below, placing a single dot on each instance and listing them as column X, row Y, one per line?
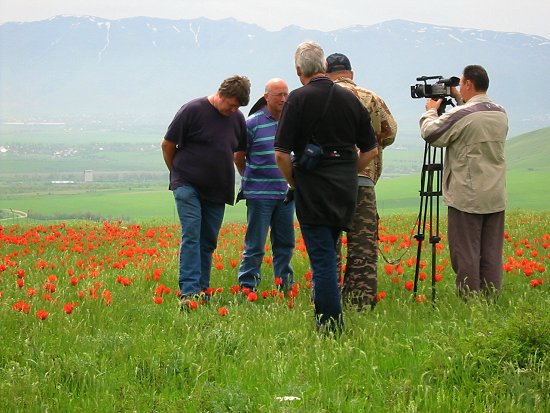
column 276, row 92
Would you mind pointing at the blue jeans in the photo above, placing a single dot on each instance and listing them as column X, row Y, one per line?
column 200, row 224
column 261, row 215
column 321, row 248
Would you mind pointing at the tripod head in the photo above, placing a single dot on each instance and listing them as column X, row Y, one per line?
column 445, row 101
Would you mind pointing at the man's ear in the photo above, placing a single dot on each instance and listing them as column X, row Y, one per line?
column 299, row 71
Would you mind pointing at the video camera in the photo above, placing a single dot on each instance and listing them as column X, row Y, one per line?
column 437, row 90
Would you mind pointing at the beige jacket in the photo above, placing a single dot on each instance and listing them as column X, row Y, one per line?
column 383, row 123
column 474, row 170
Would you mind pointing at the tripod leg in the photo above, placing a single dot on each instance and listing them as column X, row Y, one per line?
column 421, row 220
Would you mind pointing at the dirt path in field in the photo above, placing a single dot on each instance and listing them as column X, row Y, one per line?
column 12, row 214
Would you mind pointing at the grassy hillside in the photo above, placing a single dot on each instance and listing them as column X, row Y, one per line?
column 529, row 152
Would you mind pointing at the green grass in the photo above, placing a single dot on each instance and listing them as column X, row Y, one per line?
column 134, row 355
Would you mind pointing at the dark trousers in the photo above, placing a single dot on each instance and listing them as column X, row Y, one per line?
column 321, row 248
column 475, row 243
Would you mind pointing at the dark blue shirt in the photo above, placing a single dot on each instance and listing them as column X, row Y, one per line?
column 206, row 141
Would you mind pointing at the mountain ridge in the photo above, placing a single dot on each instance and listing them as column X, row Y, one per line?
column 139, row 71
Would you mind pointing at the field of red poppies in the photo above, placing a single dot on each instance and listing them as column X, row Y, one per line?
column 90, row 321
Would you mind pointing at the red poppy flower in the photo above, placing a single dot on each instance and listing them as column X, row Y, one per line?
column 409, row 285
column 20, row 283
column 536, row 283
column 68, row 308
column 421, row 298
column 22, row 307
column 158, row 299
column 223, row 311
column 107, row 296
column 42, row 314
column 252, row 296
column 290, row 304
column 519, row 252
column 124, row 281
column 50, row 287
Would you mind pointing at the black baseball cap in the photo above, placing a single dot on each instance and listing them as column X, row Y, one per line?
column 337, row 62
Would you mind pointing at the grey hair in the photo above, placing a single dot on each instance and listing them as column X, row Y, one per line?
column 310, row 58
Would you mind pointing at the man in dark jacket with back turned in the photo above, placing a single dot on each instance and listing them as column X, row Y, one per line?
column 326, row 195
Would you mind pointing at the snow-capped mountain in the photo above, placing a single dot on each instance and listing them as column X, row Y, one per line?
column 141, row 70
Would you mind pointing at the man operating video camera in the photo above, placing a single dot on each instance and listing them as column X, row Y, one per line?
column 473, row 133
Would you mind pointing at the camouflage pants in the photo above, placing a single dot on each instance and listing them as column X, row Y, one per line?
column 360, row 278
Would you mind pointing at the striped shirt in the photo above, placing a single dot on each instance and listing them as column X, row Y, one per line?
column 262, row 178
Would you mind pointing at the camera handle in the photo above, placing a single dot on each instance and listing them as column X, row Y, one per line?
column 430, row 192
column 445, row 102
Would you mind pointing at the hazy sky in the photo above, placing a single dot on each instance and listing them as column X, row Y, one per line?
column 524, row 16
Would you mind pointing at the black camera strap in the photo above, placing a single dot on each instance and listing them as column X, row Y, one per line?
column 327, row 102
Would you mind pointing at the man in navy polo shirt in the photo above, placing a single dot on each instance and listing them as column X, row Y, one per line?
column 198, row 150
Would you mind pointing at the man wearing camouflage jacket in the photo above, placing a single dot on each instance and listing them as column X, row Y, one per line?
column 360, row 278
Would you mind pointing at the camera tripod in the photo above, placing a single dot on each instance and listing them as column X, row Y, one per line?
column 430, row 191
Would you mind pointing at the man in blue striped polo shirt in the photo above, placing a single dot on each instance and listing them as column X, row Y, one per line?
column 265, row 189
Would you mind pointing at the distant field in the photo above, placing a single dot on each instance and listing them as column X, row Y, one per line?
column 149, row 205
column 394, row 196
column 130, row 177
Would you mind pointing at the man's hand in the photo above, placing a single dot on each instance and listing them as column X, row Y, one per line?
column 168, row 152
column 364, row 158
column 289, row 196
column 455, row 93
column 284, row 163
column 433, row 104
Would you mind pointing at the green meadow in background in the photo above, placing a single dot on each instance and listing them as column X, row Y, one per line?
column 131, row 184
